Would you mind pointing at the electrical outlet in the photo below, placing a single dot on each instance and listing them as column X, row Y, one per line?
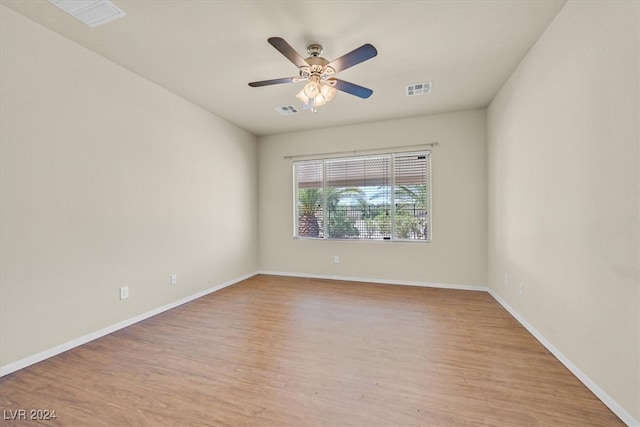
column 124, row 292
column 506, row 279
column 521, row 289
column 336, row 259
column 174, row 279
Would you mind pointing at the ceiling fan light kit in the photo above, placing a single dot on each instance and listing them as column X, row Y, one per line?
column 316, row 93
column 321, row 86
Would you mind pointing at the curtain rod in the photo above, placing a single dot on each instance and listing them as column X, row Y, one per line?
column 354, row 152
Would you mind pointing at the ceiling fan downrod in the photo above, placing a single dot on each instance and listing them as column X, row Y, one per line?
column 314, row 50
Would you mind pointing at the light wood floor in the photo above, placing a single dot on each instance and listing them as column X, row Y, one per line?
column 275, row 351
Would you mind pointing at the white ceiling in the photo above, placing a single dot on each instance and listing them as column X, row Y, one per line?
column 207, row 51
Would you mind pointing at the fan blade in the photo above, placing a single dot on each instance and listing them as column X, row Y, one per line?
column 352, row 88
column 272, row 82
column 289, row 52
column 356, row 56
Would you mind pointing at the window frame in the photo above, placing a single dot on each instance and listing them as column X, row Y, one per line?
column 393, row 200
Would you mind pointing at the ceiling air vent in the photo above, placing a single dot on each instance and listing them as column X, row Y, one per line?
column 418, row 89
column 91, row 12
column 287, row 110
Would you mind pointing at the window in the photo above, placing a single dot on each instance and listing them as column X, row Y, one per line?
column 378, row 197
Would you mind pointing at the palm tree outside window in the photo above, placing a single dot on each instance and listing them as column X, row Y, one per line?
column 379, row 197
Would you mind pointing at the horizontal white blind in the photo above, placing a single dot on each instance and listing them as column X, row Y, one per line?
column 359, row 172
column 308, row 174
column 383, row 197
column 309, row 198
column 412, row 196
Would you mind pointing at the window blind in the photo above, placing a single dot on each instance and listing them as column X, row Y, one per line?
column 379, row 197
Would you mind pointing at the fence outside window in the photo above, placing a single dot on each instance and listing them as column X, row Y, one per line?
column 378, row 197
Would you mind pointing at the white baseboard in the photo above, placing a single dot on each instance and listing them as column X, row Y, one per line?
column 33, row 359
column 374, row 280
column 625, row 416
column 601, row 394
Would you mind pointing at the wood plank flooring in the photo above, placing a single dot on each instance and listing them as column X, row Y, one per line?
column 281, row 351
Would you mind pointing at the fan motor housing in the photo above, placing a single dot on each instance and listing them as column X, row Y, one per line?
column 315, row 61
column 317, row 64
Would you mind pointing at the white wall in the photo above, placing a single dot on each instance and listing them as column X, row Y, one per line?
column 563, row 184
column 108, row 180
column 457, row 254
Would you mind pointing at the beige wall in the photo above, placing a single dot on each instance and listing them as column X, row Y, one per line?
column 563, row 183
column 108, row 180
column 457, row 254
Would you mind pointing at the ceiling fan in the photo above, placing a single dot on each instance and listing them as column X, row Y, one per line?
column 318, row 72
